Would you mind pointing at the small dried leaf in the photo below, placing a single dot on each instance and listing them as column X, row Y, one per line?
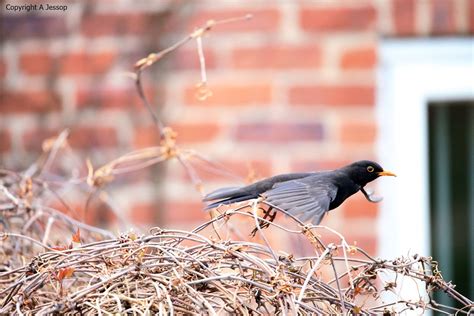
column 76, row 237
column 357, row 290
column 69, row 272
column 64, row 273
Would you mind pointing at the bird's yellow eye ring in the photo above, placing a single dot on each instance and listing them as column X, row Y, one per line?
column 370, row 169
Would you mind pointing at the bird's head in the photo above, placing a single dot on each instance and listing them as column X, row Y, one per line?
column 365, row 171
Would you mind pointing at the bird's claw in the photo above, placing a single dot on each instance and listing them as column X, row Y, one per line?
column 370, row 196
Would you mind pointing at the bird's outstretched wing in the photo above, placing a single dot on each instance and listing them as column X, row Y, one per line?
column 231, row 195
column 307, row 199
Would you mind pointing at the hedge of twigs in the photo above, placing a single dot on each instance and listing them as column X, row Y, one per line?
column 199, row 272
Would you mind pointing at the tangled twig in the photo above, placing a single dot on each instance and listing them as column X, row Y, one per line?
column 195, row 272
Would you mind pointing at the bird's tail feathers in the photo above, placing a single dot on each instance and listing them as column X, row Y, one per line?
column 222, row 193
column 230, row 200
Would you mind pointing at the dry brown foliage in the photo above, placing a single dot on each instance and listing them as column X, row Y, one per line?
column 198, row 272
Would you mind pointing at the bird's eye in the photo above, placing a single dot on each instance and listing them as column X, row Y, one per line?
column 370, row 169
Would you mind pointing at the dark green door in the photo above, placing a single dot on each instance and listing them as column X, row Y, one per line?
column 451, row 158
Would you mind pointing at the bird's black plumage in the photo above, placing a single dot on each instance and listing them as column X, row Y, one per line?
column 309, row 195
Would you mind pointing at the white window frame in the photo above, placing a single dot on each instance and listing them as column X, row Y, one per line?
column 413, row 72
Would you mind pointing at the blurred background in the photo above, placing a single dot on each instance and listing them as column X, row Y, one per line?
column 302, row 86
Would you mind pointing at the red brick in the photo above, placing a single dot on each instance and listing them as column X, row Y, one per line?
column 404, row 17
column 470, row 14
column 79, row 138
column 357, row 206
column 277, row 57
column 110, row 24
column 442, row 17
column 187, row 133
column 29, row 101
column 317, row 165
column 338, row 19
column 113, row 98
column 248, row 170
column 232, row 95
column 326, row 236
column 358, row 132
column 368, row 243
column 184, row 212
column 333, row 95
column 99, row 214
column 32, row 26
column 196, row 132
column 73, row 209
column 279, row 132
column 85, row 63
column 146, row 137
column 91, row 137
column 138, row 176
column 33, row 139
column 3, row 68
column 359, row 58
column 264, row 20
column 145, row 214
column 36, row 63
column 5, row 141
column 189, row 58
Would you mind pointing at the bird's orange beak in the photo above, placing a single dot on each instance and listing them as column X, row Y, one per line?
column 387, row 173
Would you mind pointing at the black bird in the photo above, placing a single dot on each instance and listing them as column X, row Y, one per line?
column 308, row 196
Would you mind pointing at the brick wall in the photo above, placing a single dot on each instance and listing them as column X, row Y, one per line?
column 293, row 89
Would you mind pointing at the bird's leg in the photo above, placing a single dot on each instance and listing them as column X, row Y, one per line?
column 272, row 215
column 268, row 215
column 370, row 196
column 261, row 223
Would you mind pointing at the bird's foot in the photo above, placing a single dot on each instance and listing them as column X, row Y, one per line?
column 268, row 215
